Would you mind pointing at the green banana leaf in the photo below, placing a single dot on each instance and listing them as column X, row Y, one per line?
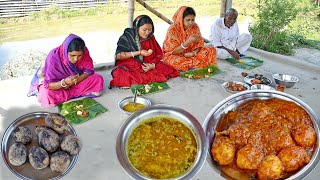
column 153, row 87
column 69, row 110
column 247, row 62
column 200, row 73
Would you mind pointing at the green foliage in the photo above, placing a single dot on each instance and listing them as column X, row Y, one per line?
column 270, row 32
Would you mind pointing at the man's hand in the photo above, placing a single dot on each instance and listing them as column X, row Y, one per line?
column 234, row 54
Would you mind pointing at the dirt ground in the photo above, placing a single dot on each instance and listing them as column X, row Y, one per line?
column 308, row 55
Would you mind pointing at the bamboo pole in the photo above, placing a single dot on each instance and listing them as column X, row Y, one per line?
column 130, row 12
column 161, row 16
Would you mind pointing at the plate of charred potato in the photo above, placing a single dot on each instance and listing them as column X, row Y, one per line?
column 40, row 145
column 256, row 79
column 235, row 86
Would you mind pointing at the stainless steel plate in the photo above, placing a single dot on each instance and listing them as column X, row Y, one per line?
column 235, row 100
column 26, row 171
column 248, row 79
column 225, row 86
column 143, row 114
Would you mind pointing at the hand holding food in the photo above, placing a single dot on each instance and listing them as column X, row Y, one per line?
column 146, row 52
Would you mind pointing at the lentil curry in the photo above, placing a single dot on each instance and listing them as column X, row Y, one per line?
column 264, row 139
column 162, row 147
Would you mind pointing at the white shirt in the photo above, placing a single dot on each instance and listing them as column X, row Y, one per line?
column 224, row 36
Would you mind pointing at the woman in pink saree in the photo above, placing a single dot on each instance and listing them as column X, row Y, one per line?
column 68, row 73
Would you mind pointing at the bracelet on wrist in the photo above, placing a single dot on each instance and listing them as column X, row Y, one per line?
column 184, row 47
column 132, row 54
column 63, row 83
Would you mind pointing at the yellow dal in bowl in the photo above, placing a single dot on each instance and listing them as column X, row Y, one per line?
column 162, row 147
column 130, row 108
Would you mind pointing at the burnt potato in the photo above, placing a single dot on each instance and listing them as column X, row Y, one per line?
column 59, row 161
column 223, row 150
column 17, row 154
column 22, row 134
column 293, row 158
column 38, row 157
column 57, row 122
column 249, row 157
column 304, row 135
column 48, row 139
column 270, row 168
column 71, row 144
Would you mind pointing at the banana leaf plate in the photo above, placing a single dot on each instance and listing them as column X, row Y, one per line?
column 200, row 73
column 153, row 87
column 246, row 62
column 80, row 111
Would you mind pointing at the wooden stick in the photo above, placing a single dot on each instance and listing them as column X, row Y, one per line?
column 145, row 5
column 130, row 12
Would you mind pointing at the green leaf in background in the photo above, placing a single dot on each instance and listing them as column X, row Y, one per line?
column 200, row 73
column 69, row 110
column 246, row 62
column 153, row 87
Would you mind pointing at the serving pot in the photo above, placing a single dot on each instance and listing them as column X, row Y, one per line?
column 143, row 114
column 233, row 101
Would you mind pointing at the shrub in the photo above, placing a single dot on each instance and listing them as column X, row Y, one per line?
column 269, row 32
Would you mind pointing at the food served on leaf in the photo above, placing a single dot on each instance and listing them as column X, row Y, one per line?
column 200, row 73
column 162, row 147
column 71, row 144
column 235, row 86
column 57, row 122
column 59, row 161
column 38, row 157
column 22, row 134
column 133, row 108
column 17, row 154
column 264, row 139
column 82, row 113
column 48, row 139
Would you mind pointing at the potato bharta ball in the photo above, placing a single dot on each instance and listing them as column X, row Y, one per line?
column 270, row 168
column 249, row 157
column 293, row 158
column 304, row 135
column 223, row 150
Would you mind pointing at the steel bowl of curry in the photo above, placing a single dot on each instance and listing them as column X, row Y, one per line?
column 161, row 142
column 126, row 105
column 262, row 134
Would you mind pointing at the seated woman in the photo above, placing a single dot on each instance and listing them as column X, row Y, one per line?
column 183, row 46
column 67, row 73
column 139, row 57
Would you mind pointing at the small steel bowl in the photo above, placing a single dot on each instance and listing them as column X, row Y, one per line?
column 146, row 102
column 261, row 86
column 155, row 110
column 235, row 100
column 286, row 80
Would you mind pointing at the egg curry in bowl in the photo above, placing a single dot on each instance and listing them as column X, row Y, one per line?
column 162, row 147
column 264, row 139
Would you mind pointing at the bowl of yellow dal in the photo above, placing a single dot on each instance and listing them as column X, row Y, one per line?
column 161, row 142
column 126, row 105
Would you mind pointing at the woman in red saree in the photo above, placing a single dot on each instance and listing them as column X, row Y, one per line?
column 68, row 73
column 183, row 46
column 139, row 57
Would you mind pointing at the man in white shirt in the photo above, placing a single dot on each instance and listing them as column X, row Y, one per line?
column 225, row 36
